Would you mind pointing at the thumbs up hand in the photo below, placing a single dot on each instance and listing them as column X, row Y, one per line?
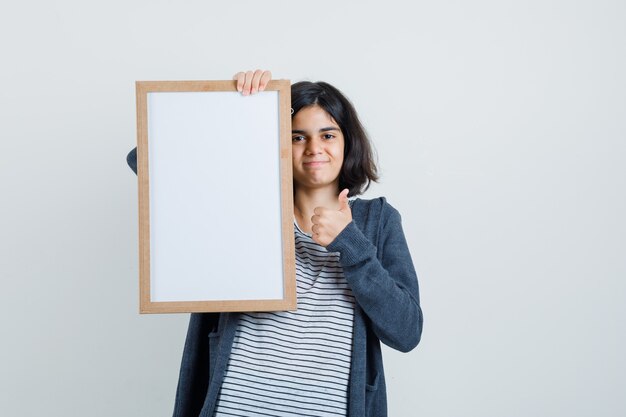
column 328, row 223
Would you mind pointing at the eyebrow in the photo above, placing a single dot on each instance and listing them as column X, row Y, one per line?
column 324, row 129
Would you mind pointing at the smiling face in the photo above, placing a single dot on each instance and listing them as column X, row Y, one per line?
column 317, row 144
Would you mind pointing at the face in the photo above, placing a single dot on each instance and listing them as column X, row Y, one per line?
column 317, row 144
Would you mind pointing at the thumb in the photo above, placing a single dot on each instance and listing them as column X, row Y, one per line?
column 343, row 200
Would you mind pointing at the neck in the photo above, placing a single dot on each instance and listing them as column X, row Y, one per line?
column 305, row 200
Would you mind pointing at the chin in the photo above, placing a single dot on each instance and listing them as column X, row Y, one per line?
column 316, row 184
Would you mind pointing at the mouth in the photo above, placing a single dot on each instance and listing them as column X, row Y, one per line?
column 313, row 164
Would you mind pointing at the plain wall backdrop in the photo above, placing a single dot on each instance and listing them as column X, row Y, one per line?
column 501, row 134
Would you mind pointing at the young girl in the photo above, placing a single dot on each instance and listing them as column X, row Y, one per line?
column 356, row 286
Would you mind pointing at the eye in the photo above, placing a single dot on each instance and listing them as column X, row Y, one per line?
column 328, row 136
column 298, row 138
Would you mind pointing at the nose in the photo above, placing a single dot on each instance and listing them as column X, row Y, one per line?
column 313, row 146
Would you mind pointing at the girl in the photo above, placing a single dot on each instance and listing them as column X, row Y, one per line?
column 356, row 286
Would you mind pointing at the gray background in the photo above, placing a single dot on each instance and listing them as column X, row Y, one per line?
column 500, row 129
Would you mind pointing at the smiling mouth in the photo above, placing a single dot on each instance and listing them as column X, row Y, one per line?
column 314, row 164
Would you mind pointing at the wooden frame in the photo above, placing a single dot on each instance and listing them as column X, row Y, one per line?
column 188, row 167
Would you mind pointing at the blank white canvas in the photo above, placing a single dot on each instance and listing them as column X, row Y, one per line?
column 215, row 217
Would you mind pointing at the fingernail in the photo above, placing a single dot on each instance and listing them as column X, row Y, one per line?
column 253, row 91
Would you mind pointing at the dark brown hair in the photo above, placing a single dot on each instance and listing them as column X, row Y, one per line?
column 358, row 169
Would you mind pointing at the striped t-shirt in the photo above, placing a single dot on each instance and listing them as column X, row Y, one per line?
column 295, row 363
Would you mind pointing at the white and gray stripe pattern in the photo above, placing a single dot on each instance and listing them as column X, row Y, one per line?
column 295, row 363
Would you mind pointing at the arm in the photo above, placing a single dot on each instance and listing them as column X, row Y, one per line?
column 131, row 160
column 383, row 280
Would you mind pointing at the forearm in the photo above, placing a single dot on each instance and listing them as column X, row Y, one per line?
column 384, row 286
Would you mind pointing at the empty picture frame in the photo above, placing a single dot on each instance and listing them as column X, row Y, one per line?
column 215, row 197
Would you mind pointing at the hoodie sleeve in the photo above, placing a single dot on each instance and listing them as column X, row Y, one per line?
column 383, row 279
column 131, row 160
